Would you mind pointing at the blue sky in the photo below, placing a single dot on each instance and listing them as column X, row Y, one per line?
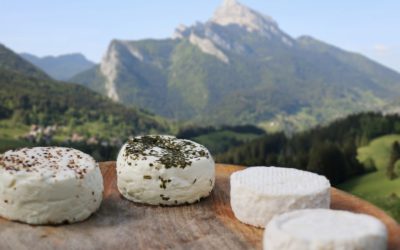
column 53, row 27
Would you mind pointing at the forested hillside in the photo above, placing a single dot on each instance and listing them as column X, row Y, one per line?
column 37, row 101
column 36, row 110
column 221, row 139
column 329, row 150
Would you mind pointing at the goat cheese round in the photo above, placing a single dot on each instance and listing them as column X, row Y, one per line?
column 164, row 170
column 324, row 229
column 49, row 185
column 259, row 193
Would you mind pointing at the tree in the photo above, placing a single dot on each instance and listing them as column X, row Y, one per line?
column 4, row 112
column 353, row 166
column 327, row 159
column 24, row 102
column 394, row 157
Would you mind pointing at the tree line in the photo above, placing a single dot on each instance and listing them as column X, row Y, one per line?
column 328, row 150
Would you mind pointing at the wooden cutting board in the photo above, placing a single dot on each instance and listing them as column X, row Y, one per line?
column 121, row 224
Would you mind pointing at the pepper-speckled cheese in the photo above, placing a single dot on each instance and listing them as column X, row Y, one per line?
column 164, row 170
column 49, row 185
column 324, row 229
column 260, row 193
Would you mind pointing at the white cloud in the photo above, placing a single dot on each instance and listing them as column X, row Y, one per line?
column 381, row 49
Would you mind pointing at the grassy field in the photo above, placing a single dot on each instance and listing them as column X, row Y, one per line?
column 376, row 187
column 378, row 150
column 9, row 133
column 11, row 130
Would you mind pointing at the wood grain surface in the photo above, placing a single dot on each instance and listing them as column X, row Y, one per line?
column 121, row 224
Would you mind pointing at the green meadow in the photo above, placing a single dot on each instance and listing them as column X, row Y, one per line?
column 376, row 187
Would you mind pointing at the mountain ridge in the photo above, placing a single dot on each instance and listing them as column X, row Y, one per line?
column 239, row 67
column 62, row 67
column 9, row 61
column 28, row 99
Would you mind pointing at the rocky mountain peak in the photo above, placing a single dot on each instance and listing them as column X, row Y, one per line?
column 232, row 12
column 240, row 67
column 109, row 69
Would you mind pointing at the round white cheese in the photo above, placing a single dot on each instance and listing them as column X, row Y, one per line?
column 259, row 193
column 324, row 229
column 164, row 170
column 49, row 185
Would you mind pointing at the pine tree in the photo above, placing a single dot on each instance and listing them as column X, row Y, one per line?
column 327, row 159
column 394, row 157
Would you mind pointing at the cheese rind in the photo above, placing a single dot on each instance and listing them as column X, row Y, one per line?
column 49, row 185
column 164, row 170
column 259, row 193
column 324, row 229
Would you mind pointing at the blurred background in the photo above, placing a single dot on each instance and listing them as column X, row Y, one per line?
column 310, row 85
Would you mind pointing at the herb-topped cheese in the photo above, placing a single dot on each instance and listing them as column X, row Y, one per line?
column 164, row 170
column 171, row 152
column 49, row 185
